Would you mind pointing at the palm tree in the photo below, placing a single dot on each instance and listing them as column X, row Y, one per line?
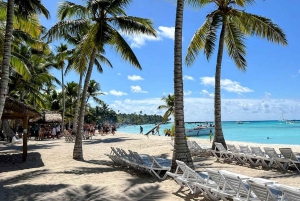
column 59, row 63
column 106, row 19
column 94, row 91
column 235, row 24
column 181, row 151
column 169, row 105
column 24, row 8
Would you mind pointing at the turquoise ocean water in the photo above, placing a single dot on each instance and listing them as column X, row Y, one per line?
column 250, row 131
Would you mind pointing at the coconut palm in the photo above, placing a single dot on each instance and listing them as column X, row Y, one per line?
column 169, row 105
column 94, row 91
column 235, row 24
column 105, row 20
column 181, row 151
column 24, row 8
column 59, row 62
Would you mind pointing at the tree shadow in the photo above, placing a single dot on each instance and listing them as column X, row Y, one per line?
column 13, row 161
column 107, row 140
column 29, row 192
column 24, row 177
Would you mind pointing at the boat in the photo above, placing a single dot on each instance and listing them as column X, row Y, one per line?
column 199, row 131
column 239, row 122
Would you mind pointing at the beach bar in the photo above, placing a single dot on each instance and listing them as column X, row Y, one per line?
column 14, row 109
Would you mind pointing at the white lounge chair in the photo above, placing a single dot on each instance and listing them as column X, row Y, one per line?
column 199, row 150
column 265, row 160
column 289, row 193
column 237, row 155
column 288, row 153
column 223, row 191
column 251, row 158
column 281, row 163
column 221, row 153
column 263, row 191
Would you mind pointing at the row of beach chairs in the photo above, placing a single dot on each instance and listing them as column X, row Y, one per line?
column 255, row 156
column 157, row 167
column 197, row 149
column 226, row 185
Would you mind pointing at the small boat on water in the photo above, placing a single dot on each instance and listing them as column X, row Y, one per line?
column 199, row 131
column 239, row 122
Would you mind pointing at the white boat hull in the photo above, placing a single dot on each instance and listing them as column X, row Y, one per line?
column 198, row 131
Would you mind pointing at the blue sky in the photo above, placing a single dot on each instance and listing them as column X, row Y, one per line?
column 268, row 90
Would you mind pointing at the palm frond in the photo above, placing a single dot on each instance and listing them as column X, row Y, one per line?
column 235, row 46
column 134, row 25
column 198, row 3
column 260, row 26
column 68, row 10
column 122, row 47
column 20, row 67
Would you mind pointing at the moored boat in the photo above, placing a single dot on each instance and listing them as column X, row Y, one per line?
column 199, row 131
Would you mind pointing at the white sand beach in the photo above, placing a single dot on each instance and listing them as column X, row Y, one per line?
column 50, row 173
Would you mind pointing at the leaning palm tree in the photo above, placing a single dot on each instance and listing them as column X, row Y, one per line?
column 169, row 105
column 105, row 20
column 21, row 9
column 235, row 24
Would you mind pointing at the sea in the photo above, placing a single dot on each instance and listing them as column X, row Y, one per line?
column 264, row 132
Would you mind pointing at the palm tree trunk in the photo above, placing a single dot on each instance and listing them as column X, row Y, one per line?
column 219, row 137
column 181, row 151
column 64, row 102
column 75, row 120
column 6, row 54
column 77, row 152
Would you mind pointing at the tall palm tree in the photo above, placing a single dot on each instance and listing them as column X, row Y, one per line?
column 106, row 19
column 59, row 62
column 169, row 105
column 181, row 151
column 24, row 8
column 235, row 24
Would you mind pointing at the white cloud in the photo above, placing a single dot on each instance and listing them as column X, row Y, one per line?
column 166, row 32
column 134, row 77
column 202, row 109
column 137, row 89
column 226, row 84
column 139, row 40
column 187, row 93
column 117, row 93
column 186, row 77
column 207, row 94
column 119, row 74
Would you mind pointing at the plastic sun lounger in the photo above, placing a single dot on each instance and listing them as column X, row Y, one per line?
column 180, row 170
column 281, row 163
column 237, row 155
column 289, row 154
column 289, row 193
column 263, row 191
column 222, row 190
column 251, row 158
column 265, row 160
column 199, row 150
column 221, row 153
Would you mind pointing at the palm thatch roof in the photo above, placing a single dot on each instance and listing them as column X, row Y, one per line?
column 14, row 109
column 48, row 117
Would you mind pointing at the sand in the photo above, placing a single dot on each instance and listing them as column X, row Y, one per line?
column 50, row 173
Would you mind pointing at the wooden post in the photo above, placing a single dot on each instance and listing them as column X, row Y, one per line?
column 25, row 131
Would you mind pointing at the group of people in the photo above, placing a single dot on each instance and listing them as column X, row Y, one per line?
column 152, row 131
column 41, row 132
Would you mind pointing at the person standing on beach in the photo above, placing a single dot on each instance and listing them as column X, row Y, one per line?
column 157, row 130
column 210, row 136
column 141, row 130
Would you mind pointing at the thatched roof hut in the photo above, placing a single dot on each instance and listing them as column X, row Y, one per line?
column 48, row 117
column 14, row 109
